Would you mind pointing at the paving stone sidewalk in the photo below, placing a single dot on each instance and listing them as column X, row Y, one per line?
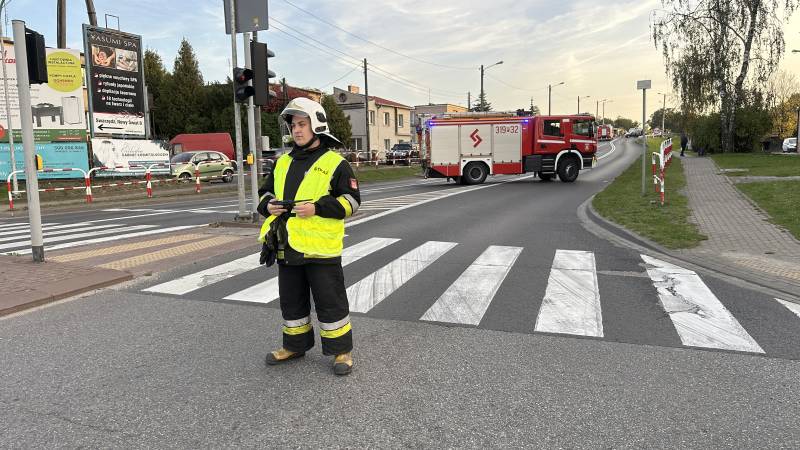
column 739, row 233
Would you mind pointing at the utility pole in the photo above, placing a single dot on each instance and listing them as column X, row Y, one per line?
column 469, row 102
column 482, row 96
column 61, row 11
column 93, row 15
column 242, row 215
column 663, row 112
column 26, row 117
column 531, row 105
column 251, row 132
column 644, row 85
column 549, row 99
column 259, row 144
column 11, row 147
column 366, row 109
column 597, row 110
column 579, row 104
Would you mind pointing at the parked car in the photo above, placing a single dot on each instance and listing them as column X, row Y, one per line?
column 209, row 163
column 790, row 145
column 401, row 153
column 269, row 158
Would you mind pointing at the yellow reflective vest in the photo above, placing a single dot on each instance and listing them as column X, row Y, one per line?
column 315, row 236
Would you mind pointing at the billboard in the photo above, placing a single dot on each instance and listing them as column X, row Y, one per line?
column 115, row 82
column 129, row 152
column 56, row 155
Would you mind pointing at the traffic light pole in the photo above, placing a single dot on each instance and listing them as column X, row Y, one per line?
column 26, row 117
column 242, row 216
column 251, row 134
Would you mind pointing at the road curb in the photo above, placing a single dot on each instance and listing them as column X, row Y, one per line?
column 622, row 237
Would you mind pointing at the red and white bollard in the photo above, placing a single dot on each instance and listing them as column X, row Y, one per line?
column 197, row 178
column 88, row 188
column 149, row 184
column 10, row 195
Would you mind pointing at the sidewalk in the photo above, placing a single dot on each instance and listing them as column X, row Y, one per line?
column 740, row 235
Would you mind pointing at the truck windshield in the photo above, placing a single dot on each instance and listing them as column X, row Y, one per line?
column 582, row 128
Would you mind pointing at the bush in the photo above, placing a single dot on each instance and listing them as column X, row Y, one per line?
column 752, row 124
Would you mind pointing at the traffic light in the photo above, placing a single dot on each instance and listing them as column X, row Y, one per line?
column 37, row 57
column 37, row 159
column 261, row 74
column 240, row 78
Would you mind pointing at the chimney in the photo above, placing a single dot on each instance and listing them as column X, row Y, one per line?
column 352, row 89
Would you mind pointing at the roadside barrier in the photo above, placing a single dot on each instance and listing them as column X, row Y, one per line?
column 661, row 160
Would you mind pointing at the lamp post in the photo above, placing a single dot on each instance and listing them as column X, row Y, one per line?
column 663, row 111
column 597, row 108
column 550, row 96
column 579, row 102
column 483, row 97
column 604, row 101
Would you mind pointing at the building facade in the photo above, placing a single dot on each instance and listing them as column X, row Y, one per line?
column 389, row 121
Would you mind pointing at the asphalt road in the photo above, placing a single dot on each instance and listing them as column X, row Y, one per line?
column 483, row 317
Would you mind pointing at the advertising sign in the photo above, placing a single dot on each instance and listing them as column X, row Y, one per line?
column 115, row 81
column 129, row 152
column 56, row 155
column 57, row 106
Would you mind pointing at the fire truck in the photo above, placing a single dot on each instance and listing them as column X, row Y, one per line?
column 605, row 132
column 468, row 147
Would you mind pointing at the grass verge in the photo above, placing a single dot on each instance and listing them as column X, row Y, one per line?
column 668, row 225
column 779, row 199
column 759, row 164
column 384, row 173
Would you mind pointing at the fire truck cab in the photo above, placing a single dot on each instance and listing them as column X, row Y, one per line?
column 468, row 147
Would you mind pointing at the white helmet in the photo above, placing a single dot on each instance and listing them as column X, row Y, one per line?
column 305, row 107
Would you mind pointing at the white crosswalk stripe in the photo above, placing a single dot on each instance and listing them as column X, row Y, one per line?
column 59, row 230
column 793, row 307
column 50, row 240
column 468, row 298
column 699, row 317
column 571, row 303
column 110, row 238
column 571, row 300
column 267, row 291
column 19, row 225
column 374, row 288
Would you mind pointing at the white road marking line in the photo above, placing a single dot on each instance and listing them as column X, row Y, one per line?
column 12, row 226
column 48, row 233
column 793, row 307
column 112, row 238
column 46, row 228
column 203, row 278
column 468, row 298
column 571, row 302
column 374, row 288
column 49, row 240
column 605, row 155
column 699, row 317
column 268, row 290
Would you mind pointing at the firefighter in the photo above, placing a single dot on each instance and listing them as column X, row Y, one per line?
column 307, row 238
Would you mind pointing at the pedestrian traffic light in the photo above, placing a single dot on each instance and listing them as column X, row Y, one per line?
column 243, row 91
column 37, row 57
column 37, row 158
column 261, row 74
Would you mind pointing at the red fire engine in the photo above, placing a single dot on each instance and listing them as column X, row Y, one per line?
column 605, row 132
column 468, row 147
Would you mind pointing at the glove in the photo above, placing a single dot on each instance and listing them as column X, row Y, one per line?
column 262, row 207
column 267, row 255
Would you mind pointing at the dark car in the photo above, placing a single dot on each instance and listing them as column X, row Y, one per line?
column 402, row 153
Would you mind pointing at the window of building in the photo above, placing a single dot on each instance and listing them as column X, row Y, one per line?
column 372, row 117
column 552, row 127
column 386, row 119
column 387, row 143
column 400, row 121
column 356, row 144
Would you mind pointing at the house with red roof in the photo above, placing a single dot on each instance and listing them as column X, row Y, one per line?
column 389, row 121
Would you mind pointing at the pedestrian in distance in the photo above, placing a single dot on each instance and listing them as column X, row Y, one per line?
column 684, row 142
column 310, row 192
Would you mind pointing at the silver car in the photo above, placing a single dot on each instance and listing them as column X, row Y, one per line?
column 790, row 145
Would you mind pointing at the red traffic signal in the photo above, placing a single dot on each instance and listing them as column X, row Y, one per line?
column 240, row 79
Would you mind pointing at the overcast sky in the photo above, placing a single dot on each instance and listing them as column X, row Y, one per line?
column 598, row 48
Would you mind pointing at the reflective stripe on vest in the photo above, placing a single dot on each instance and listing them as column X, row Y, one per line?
column 313, row 236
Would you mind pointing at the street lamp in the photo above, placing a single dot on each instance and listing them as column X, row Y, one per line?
column 579, row 102
column 597, row 109
column 663, row 111
column 604, row 108
column 483, row 97
column 550, row 96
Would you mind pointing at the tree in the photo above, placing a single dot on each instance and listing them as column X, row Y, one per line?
column 536, row 111
column 481, row 104
column 156, row 77
column 186, row 94
column 782, row 95
column 718, row 52
column 625, row 124
column 673, row 120
column 338, row 122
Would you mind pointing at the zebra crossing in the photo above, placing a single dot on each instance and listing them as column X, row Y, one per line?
column 571, row 303
column 15, row 237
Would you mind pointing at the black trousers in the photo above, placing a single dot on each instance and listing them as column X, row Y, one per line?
column 326, row 283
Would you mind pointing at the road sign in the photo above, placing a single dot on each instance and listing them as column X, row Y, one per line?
column 251, row 15
column 643, row 84
column 115, row 82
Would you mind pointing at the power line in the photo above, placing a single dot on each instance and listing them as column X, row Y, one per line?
column 334, row 81
column 376, row 44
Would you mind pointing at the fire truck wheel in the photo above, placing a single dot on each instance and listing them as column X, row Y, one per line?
column 474, row 173
column 545, row 176
column 568, row 169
